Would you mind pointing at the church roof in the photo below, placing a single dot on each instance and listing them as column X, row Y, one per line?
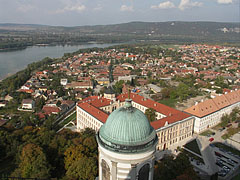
column 127, row 127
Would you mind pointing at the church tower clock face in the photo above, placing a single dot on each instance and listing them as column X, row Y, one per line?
column 127, row 145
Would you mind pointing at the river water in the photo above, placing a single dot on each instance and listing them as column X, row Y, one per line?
column 14, row 61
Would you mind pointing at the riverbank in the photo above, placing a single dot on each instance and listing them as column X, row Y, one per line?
column 14, row 61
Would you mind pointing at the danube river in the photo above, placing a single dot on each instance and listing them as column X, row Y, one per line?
column 13, row 61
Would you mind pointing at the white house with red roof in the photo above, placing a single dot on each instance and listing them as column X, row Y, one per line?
column 172, row 126
column 208, row 113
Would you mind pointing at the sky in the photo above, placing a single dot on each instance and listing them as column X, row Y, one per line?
column 101, row 12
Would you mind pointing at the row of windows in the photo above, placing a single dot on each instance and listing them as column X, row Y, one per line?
column 88, row 126
column 214, row 118
column 89, row 121
column 140, row 107
column 164, row 145
column 185, row 136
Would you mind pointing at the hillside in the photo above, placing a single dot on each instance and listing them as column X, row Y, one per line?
column 165, row 32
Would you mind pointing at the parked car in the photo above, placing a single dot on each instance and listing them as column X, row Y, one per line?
column 211, row 139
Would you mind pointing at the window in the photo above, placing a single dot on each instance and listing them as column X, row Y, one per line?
column 144, row 172
column 105, row 170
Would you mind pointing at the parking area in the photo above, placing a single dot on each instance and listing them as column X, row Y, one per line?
column 226, row 161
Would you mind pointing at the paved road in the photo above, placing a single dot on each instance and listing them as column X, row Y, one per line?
column 207, row 155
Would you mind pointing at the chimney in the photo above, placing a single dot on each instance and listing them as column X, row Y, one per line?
column 155, row 104
column 196, row 103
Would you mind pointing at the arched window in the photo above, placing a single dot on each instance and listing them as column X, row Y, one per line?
column 105, row 170
column 143, row 173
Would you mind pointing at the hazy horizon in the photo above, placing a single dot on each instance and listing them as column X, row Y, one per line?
column 12, row 23
column 104, row 12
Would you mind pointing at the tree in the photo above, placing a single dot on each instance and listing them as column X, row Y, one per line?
column 39, row 103
column 165, row 93
column 151, row 114
column 118, row 87
column 225, row 119
column 33, row 163
column 179, row 168
column 110, row 69
column 82, row 169
column 72, row 154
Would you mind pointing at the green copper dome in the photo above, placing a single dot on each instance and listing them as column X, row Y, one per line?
column 127, row 129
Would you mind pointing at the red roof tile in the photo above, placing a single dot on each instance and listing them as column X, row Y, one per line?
column 212, row 105
column 161, row 108
column 50, row 109
column 97, row 113
column 170, row 119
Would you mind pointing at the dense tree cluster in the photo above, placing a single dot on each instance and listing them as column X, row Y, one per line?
column 43, row 153
column 175, row 169
column 234, row 116
column 151, row 114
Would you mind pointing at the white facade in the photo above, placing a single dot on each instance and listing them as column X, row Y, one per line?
column 170, row 134
column 28, row 105
column 210, row 120
column 86, row 120
column 117, row 166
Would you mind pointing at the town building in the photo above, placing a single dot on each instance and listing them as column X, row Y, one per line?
column 28, row 104
column 208, row 113
column 172, row 126
column 127, row 145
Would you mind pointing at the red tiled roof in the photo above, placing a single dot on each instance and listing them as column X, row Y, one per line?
column 221, row 101
column 50, row 109
column 161, row 108
column 170, row 119
column 97, row 113
column 212, row 105
column 232, row 97
column 90, row 98
column 97, row 101
column 101, row 102
column 173, row 115
column 40, row 115
column 92, row 103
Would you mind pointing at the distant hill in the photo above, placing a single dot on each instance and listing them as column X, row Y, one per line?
column 172, row 32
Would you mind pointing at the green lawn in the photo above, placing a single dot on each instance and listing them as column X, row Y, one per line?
column 70, row 118
column 230, row 132
column 236, row 177
column 168, row 102
column 227, row 148
column 206, row 133
column 193, row 146
column 217, row 127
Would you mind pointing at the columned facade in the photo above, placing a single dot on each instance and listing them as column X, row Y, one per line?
column 115, row 166
column 126, row 145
